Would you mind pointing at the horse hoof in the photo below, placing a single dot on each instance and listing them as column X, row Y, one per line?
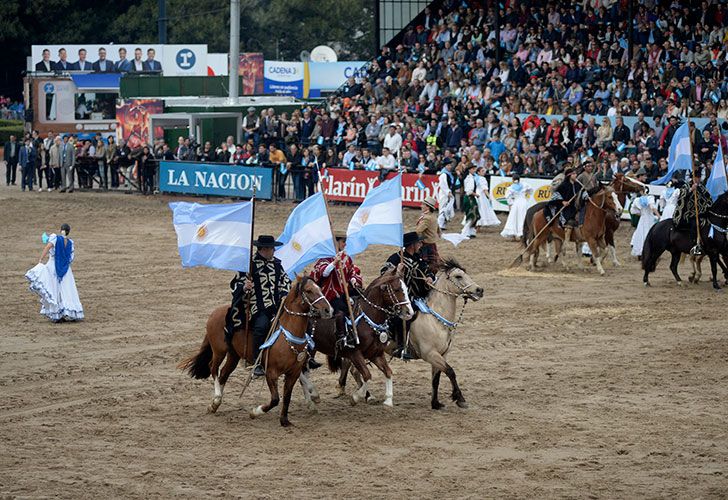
column 690, row 279
column 679, row 283
column 353, row 401
column 312, row 407
column 388, row 403
column 617, row 263
column 371, row 400
column 602, row 272
column 461, row 404
column 340, row 392
column 647, row 284
column 286, row 423
column 436, row 405
column 212, row 408
column 316, row 398
column 256, row 412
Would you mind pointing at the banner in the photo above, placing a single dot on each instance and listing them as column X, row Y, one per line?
column 283, row 78
column 215, row 179
column 184, row 60
column 332, row 75
column 250, row 67
column 353, row 185
column 132, row 121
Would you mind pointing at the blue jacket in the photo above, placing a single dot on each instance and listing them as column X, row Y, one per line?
column 26, row 157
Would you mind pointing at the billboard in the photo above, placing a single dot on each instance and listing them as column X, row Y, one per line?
column 331, row 75
column 283, row 78
column 250, row 67
column 353, row 185
column 171, row 60
column 132, row 121
column 217, row 179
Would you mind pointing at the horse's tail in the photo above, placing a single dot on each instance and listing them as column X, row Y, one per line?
column 649, row 252
column 198, row 366
column 334, row 363
column 527, row 221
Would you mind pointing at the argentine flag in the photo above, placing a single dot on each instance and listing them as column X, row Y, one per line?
column 307, row 236
column 378, row 220
column 717, row 183
column 678, row 157
column 215, row 236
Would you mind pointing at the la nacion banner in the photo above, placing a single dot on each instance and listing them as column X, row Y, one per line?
column 353, row 185
column 217, row 179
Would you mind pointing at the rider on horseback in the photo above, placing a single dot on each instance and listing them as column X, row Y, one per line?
column 327, row 277
column 565, row 196
column 684, row 215
column 417, row 276
column 263, row 288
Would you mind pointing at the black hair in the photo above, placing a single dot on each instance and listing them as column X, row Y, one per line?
column 65, row 227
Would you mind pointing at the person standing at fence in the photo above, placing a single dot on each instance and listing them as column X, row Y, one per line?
column 278, row 159
column 100, row 157
column 54, row 162
column 68, row 164
column 11, row 154
column 26, row 159
column 146, row 165
column 112, row 162
column 47, row 144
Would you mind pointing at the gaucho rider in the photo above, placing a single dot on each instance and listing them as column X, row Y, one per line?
column 326, row 275
column 264, row 292
column 684, row 216
column 418, row 277
column 565, row 196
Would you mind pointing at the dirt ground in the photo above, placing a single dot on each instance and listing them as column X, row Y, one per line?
column 579, row 385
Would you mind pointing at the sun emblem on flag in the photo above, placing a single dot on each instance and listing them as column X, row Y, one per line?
column 364, row 216
column 201, row 232
column 296, row 246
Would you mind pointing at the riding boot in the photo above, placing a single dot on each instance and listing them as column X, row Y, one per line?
column 340, row 319
column 567, row 234
column 401, row 350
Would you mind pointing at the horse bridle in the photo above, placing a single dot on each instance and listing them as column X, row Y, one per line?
column 312, row 312
column 396, row 308
column 462, row 289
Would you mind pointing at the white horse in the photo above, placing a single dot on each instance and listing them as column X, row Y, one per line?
column 431, row 333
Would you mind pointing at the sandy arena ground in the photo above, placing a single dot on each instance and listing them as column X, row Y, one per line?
column 579, row 385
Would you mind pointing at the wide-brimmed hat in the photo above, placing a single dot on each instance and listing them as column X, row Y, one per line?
column 411, row 238
column 430, row 202
column 266, row 241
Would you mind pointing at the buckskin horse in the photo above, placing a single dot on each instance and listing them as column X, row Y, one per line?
column 663, row 236
column 431, row 333
column 599, row 206
column 385, row 297
column 281, row 358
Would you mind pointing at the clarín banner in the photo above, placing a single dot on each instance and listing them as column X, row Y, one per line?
column 216, row 179
column 353, row 185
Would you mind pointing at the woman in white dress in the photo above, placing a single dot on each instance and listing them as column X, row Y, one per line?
column 53, row 281
column 517, row 196
column 644, row 206
column 668, row 201
column 485, row 206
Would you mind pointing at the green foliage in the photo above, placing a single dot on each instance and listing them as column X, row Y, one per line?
column 11, row 123
column 6, row 132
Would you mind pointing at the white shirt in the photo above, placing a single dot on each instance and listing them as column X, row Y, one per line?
column 386, row 162
column 393, row 142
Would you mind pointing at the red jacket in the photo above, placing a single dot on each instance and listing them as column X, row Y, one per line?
column 331, row 285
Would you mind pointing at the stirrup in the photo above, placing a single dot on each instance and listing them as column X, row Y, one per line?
column 696, row 250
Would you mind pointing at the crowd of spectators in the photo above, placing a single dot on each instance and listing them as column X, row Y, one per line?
column 11, row 110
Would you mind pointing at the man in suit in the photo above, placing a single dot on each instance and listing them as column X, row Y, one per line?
column 150, row 64
column 137, row 65
column 11, row 152
column 82, row 64
column 46, row 64
column 62, row 64
column 26, row 158
column 123, row 65
column 103, row 65
column 68, row 161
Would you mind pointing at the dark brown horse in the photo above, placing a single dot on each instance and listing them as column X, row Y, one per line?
column 386, row 297
column 599, row 206
column 622, row 186
column 282, row 358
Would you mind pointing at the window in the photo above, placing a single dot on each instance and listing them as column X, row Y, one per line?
column 95, row 106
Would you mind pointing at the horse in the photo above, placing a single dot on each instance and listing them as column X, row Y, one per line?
column 621, row 186
column 385, row 297
column 304, row 300
column 431, row 334
column 529, row 233
column 600, row 206
column 663, row 236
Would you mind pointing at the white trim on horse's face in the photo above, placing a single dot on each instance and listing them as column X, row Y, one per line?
column 406, row 314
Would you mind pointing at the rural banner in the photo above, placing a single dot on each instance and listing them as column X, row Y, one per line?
column 353, row 185
column 217, row 179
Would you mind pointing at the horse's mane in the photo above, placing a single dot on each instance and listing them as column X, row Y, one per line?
column 721, row 203
column 390, row 273
column 300, row 283
column 449, row 264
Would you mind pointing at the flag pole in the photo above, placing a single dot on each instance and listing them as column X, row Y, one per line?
column 249, row 277
column 336, row 264
column 696, row 250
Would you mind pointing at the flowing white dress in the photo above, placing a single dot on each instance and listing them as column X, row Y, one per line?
column 445, row 200
column 58, row 299
column 517, row 196
column 668, row 200
column 487, row 214
column 644, row 206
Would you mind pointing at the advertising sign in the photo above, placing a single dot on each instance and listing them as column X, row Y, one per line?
column 132, row 121
column 330, row 76
column 353, row 185
column 184, row 60
column 250, row 67
column 215, row 179
column 283, row 78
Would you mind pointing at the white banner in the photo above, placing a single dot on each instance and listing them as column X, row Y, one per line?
column 184, row 60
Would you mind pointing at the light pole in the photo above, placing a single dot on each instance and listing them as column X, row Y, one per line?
column 234, row 51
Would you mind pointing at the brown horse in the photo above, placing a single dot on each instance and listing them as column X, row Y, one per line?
column 621, row 186
column 386, row 297
column 599, row 206
column 304, row 300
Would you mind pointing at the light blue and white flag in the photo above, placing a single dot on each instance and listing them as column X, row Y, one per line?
column 678, row 155
column 717, row 183
column 215, row 236
column 378, row 220
column 307, row 236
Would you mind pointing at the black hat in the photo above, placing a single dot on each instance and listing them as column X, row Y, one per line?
column 411, row 238
column 266, row 241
